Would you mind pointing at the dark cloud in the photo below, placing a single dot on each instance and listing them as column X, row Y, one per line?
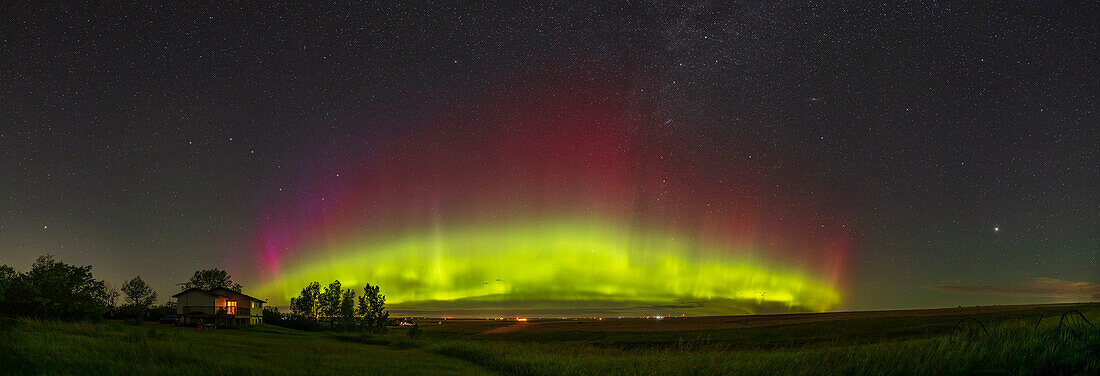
column 1042, row 287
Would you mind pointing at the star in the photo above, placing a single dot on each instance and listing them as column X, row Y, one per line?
column 741, row 140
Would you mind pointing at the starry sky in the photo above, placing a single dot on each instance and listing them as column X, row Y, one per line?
column 919, row 155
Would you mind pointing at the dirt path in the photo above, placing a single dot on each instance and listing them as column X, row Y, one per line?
column 510, row 328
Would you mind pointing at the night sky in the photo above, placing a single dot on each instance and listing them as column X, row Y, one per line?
column 926, row 155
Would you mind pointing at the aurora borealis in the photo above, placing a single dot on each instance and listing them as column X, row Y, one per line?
column 555, row 192
column 555, row 261
column 644, row 158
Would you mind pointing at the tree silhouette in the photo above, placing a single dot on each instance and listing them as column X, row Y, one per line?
column 305, row 305
column 347, row 309
column 139, row 296
column 7, row 278
column 372, row 309
column 330, row 303
column 209, row 279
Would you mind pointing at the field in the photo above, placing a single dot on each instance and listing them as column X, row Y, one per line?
column 977, row 340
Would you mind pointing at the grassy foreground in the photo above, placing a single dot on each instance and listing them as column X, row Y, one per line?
column 1016, row 340
column 29, row 347
column 1008, row 349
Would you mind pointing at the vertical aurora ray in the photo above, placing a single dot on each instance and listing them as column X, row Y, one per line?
column 535, row 197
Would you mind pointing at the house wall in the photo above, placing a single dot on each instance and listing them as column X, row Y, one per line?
column 257, row 313
column 194, row 298
column 201, row 299
column 255, row 309
column 198, row 298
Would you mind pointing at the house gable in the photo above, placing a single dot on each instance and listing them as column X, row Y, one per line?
column 192, row 291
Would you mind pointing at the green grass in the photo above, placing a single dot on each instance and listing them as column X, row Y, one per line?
column 29, row 347
column 890, row 343
column 886, row 343
column 1011, row 348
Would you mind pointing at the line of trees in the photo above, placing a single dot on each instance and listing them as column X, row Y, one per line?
column 335, row 308
column 52, row 289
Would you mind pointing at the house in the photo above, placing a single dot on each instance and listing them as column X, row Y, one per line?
column 218, row 306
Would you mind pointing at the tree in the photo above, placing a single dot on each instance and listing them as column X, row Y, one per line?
column 329, row 302
column 8, row 278
column 139, row 296
column 209, row 279
column 111, row 297
column 347, row 309
column 113, row 311
column 305, row 305
column 372, row 310
column 53, row 289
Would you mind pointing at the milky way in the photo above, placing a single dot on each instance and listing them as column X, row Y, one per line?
column 878, row 150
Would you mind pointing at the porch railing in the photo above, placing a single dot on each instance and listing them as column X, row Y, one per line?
column 211, row 311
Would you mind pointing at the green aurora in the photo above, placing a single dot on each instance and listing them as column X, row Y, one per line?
column 558, row 261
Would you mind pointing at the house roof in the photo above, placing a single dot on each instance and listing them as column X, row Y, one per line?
column 215, row 292
column 211, row 292
column 238, row 293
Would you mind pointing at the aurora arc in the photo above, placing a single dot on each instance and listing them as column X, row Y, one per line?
column 555, row 260
column 549, row 198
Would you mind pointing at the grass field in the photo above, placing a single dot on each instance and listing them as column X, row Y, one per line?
column 52, row 348
column 918, row 342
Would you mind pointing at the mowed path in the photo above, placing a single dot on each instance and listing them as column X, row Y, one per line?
column 519, row 326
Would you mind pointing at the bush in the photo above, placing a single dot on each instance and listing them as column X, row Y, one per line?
column 300, row 323
column 167, row 309
column 272, row 316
